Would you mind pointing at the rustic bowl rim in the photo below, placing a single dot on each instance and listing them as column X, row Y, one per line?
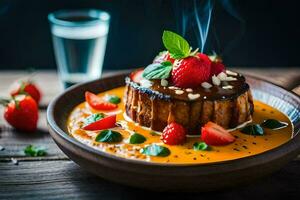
column 288, row 147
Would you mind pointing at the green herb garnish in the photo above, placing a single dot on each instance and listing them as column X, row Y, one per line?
column 113, row 99
column 274, row 124
column 93, row 118
column 35, row 151
column 158, row 70
column 109, row 136
column 156, row 150
column 177, row 46
column 137, row 138
column 253, row 129
column 200, row 146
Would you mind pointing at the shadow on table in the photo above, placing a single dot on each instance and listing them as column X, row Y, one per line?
column 278, row 186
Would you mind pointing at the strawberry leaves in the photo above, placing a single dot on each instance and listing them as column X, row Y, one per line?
column 158, row 70
column 177, row 46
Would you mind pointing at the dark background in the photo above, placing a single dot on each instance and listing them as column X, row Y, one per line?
column 268, row 35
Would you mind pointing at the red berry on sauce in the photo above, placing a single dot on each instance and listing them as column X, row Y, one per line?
column 213, row 134
column 173, row 134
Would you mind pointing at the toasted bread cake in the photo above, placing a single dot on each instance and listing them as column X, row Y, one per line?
column 152, row 105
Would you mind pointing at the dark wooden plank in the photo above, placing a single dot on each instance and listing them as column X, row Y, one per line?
column 14, row 142
column 65, row 180
column 286, row 77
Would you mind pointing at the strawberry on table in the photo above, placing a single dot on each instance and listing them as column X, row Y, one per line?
column 173, row 134
column 28, row 88
column 98, row 103
column 21, row 112
column 213, row 134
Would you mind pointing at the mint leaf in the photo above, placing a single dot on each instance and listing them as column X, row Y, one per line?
column 108, row 136
column 113, row 99
column 34, row 151
column 253, row 129
column 200, row 146
column 93, row 118
column 158, row 70
column 156, row 150
column 177, row 46
column 137, row 138
column 274, row 124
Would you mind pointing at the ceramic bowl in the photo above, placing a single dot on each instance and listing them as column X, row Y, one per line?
column 174, row 177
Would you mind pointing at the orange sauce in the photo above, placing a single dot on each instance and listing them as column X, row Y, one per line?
column 244, row 145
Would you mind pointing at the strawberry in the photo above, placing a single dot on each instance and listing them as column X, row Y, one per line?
column 173, row 134
column 191, row 71
column 21, row 112
column 104, row 123
column 217, row 65
column 28, row 88
column 163, row 56
column 213, row 134
column 136, row 76
column 98, row 103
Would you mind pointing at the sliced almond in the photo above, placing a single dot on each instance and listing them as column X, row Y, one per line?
column 179, row 92
column 206, row 85
column 189, row 89
column 231, row 73
column 216, row 80
column 222, row 76
column 227, row 87
column 230, row 78
column 193, row 96
column 164, row 82
column 174, row 88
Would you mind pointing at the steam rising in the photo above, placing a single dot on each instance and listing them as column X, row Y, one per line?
column 203, row 16
column 196, row 17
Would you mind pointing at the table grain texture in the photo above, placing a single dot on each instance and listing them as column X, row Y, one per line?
column 56, row 177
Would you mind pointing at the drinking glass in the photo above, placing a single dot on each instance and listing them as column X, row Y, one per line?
column 79, row 39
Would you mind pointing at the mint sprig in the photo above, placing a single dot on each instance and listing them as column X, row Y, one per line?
column 177, row 46
column 158, row 70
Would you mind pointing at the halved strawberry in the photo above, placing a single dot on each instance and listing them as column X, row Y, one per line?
column 213, row 134
column 104, row 123
column 98, row 103
column 137, row 75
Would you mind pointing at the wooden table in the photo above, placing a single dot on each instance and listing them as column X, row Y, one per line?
column 56, row 177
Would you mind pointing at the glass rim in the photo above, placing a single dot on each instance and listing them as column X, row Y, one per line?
column 99, row 16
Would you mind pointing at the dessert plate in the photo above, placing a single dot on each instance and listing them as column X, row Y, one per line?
column 174, row 177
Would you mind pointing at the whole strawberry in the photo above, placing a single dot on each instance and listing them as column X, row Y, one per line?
column 190, row 72
column 217, row 65
column 21, row 112
column 163, row 56
column 173, row 134
column 28, row 88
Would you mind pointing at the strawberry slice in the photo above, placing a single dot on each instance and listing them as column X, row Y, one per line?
column 137, row 75
column 213, row 134
column 104, row 123
column 98, row 103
